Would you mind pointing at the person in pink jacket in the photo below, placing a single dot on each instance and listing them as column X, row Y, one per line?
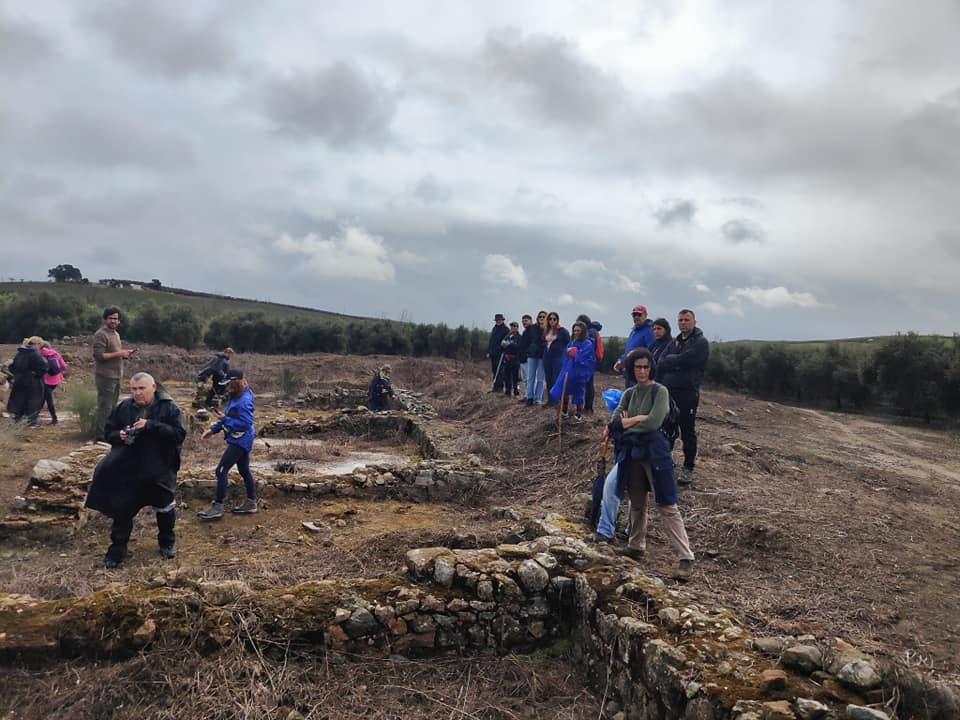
column 51, row 381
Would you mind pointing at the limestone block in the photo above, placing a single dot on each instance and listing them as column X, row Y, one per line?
column 444, row 571
column 802, row 658
column 859, row 675
column 49, row 470
column 858, row 712
column 533, row 576
column 420, row 562
column 807, row 709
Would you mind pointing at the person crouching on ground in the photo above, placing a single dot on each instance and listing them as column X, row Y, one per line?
column 146, row 434
column 380, row 390
column 644, row 460
column 238, row 430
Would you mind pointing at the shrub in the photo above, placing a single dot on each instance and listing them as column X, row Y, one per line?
column 290, row 383
column 83, row 400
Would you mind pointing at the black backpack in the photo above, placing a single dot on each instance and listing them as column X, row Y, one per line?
column 53, row 365
column 671, row 423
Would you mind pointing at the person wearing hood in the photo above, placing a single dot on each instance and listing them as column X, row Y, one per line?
column 26, row 393
column 238, row 430
column 682, row 372
column 593, row 333
column 380, row 390
column 216, row 370
column 146, row 435
column 640, row 336
column 579, row 363
column 52, row 378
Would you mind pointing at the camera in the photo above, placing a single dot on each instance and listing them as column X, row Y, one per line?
column 131, row 436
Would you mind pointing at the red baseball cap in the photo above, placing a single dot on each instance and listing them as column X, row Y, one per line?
column 639, row 309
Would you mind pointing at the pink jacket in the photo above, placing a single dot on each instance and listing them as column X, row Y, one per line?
column 49, row 379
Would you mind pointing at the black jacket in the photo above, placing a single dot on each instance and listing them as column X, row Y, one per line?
column 531, row 343
column 379, row 390
column 217, row 368
column 498, row 333
column 683, row 368
column 26, row 392
column 153, row 458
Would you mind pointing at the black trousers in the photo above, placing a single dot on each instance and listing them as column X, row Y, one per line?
column 122, row 527
column 48, row 400
column 688, row 400
column 588, row 396
column 215, row 391
column 510, row 372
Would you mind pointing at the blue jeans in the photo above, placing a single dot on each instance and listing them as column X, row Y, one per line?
column 612, row 492
column 535, row 380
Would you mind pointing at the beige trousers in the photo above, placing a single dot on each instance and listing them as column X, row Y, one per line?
column 639, row 487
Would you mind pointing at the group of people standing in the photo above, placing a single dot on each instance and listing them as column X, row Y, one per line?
column 34, row 373
column 546, row 356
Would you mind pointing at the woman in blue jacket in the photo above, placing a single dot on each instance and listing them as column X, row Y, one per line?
column 237, row 425
column 555, row 341
column 578, row 366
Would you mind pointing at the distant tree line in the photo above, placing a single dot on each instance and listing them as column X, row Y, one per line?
column 911, row 375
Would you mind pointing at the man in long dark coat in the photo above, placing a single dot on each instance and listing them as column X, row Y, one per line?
column 146, row 432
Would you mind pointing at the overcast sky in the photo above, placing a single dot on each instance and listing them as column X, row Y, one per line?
column 789, row 170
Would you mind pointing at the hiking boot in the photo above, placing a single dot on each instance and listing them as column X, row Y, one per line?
column 598, row 539
column 686, row 476
column 684, row 570
column 214, row 512
column 113, row 559
column 622, row 534
column 168, row 552
column 247, row 508
column 633, row 553
column 578, row 418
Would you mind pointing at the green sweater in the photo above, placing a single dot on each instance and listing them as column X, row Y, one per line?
column 638, row 401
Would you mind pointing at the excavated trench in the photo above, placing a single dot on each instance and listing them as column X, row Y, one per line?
column 499, row 580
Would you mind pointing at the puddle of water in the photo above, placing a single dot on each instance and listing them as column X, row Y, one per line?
column 340, row 466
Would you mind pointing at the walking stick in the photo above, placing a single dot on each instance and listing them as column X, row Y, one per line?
column 563, row 397
column 497, row 373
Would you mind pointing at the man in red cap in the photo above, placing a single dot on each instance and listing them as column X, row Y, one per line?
column 640, row 336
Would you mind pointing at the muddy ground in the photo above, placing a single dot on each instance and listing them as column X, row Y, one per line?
column 802, row 521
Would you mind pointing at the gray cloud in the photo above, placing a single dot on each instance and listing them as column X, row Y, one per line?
column 337, row 104
column 111, row 141
column 741, row 230
column 22, row 46
column 550, row 77
column 159, row 37
column 430, row 190
column 675, row 211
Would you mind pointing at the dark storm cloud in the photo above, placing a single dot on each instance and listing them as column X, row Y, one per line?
column 741, row 230
column 551, row 78
column 675, row 211
column 337, row 104
column 111, row 141
column 22, row 46
column 430, row 190
column 159, row 37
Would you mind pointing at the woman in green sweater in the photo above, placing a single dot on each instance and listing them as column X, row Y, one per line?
column 643, row 458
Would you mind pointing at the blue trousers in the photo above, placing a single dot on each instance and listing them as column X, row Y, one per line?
column 535, row 380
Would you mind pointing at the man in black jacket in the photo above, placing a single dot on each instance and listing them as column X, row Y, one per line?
column 146, row 432
column 682, row 372
column 495, row 351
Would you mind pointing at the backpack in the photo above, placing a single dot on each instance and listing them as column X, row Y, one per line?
column 671, row 423
column 53, row 365
column 598, row 346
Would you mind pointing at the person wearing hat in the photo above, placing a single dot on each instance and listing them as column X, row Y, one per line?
column 495, row 351
column 217, row 370
column 380, row 390
column 640, row 336
column 238, row 430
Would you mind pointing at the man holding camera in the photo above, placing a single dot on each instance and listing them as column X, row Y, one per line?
column 146, row 432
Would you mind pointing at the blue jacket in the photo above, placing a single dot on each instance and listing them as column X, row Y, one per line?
column 683, row 368
column 650, row 447
column 237, row 421
column 578, row 369
column 639, row 337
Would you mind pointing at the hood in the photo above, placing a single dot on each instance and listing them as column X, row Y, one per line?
column 162, row 393
column 595, row 326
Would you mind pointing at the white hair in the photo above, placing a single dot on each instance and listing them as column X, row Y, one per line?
column 144, row 376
